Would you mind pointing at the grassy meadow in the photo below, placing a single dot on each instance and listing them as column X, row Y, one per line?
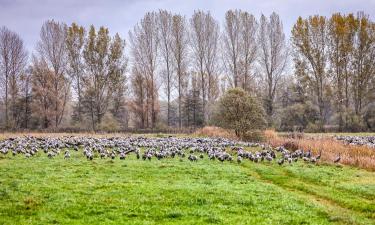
column 40, row 190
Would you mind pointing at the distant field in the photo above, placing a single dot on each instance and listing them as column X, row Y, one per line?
column 39, row 190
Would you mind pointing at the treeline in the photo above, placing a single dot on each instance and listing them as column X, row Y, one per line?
column 178, row 68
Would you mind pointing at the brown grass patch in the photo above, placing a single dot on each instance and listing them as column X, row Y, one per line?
column 211, row 131
column 359, row 156
column 31, row 202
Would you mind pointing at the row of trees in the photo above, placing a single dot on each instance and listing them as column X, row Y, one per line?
column 179, row 67
column 193, row 62
column 334, row 62
column 68, row 64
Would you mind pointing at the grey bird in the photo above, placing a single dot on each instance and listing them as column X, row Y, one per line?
column 337, row 159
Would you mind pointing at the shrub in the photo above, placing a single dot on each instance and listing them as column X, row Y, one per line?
column 355, row 123
column 240, row 112
column 298, row 116
column 313, row 127
column 108, row 123
column 369, row 117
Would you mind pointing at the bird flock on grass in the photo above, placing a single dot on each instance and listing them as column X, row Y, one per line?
column 368, row 141
column 149, row 148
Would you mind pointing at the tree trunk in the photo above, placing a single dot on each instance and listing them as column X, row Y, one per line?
column 6, row 99
column 169, row 96
column 203, row 93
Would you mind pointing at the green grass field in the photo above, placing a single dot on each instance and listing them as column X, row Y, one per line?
column 39, row 190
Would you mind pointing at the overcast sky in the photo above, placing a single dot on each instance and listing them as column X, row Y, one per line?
column 26, row 16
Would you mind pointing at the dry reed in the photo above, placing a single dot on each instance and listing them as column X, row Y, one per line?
column 358, row 156
column 211, row 131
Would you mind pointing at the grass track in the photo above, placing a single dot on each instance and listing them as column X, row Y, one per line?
column 76, row 191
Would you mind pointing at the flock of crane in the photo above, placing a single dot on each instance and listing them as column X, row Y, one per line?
column 368, row 141
column 148, row 148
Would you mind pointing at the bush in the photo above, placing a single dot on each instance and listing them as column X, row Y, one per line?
column 109, row 123
column 313, row 127
column 369, row 117
column 356, row 123
column 298, row 117
column 242, row 113
column 353, row 122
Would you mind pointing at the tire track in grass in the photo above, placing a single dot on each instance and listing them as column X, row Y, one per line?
column 363, row 196
column 333, row 211
column 344, row 199
column 367, row 203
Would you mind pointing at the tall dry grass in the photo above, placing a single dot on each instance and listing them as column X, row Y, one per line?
column 211, row 131
column 358, row 156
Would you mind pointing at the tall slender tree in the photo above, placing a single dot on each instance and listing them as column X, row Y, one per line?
column 309, row 37
column 75, row 42
column 248, row 50
column 341, row 36
column 26, row 97
column 180, row 50
column 144, row 41
column 52, row 50
column 363, row 63
column 204, row 36
column 104, row 59
column 211, row 60
column 138, row 104
column 165, row 36
column 42, row 81
column 13, row 58
column 232, row 44
column 197, row 37
column 273, row 58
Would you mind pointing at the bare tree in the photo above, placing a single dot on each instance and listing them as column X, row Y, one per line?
column 13, row 58
column 197, row 37
column 26, row 97
column 138, row 105
column 180, row 50
column 240, row 47
column 232, row 44
column 117, row 67
column 165, row 36
column 212, row 69
column 52, row 49
column 42, row 80
column 273, row 57
column 204, row 43
column 145, row 45
column 248, row 41
column 192, row 106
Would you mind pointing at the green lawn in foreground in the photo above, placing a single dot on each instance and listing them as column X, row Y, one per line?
column 76, row 191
